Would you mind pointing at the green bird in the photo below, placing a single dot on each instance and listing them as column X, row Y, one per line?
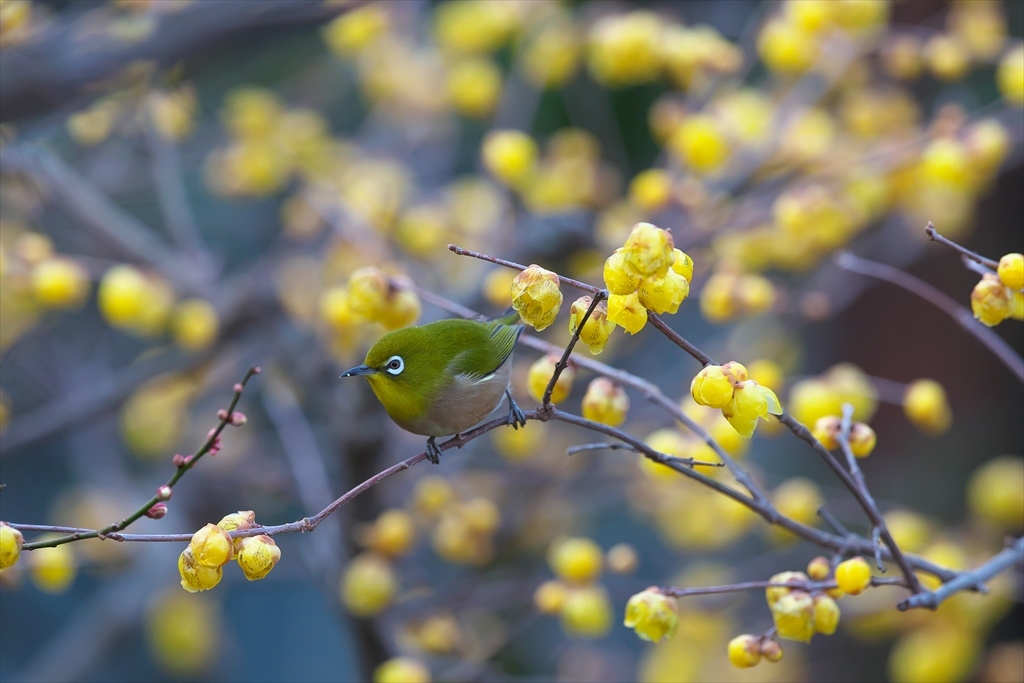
column 444, row 377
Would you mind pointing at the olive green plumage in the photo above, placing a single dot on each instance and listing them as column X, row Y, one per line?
column 444, row 377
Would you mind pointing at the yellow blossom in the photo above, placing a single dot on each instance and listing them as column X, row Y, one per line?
column 794, row 616
column 750, row 401
column 653, row 615
column 575, row 559
column 535, row 295
column 257, row 556
column 196, row 577
column 627, row 312
column 11, row 541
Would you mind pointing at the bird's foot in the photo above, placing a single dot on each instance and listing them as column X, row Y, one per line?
column 516, row 416
column 433, row 452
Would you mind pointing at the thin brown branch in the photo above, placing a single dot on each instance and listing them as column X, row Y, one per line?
column 1008, row 557
column 808, row 586
column 563, row 362
column 934, row 235
column 184, row 466
column 992, row 341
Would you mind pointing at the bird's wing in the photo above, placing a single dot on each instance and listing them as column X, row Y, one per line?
column 480, row 362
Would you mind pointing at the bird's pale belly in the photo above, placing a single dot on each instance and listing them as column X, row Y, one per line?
column 464, row 405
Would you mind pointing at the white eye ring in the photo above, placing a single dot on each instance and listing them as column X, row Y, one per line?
column 395, row 365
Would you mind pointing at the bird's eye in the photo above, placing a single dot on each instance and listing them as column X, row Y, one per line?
column 395, row 365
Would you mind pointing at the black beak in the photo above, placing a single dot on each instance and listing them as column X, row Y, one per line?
column 358, row 370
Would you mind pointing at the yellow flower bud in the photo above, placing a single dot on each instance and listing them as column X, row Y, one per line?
column 368, row 585
column 626, row 49
column 575, row 559
column 605, row 402
column 335, row 310
column 241, row 520
column 773, row 593
column 402, row 670
column 122, row 295
column 11, row 541
column 1011, row 271
column 597, row 329
column 401, row 308
column 353, row 31
column 995, row 494
column 648, row 249
column 367, row 292
column 194, row 324
column 59, row 283
column 991, row 300
column 431, row 495
column 750, row 401
column 587, row 612
column 619, row 276
column 682, row 264
column 862, row 439
column 1010, row 75
column 627, row 312
column 540, row 375
column 474, row 86
column 853, row 575
column 664, row 294
column 826, row 615
column 798, row 499
column 211, row 546
column 794, row 616
column 1017, row 306
column 196, row 577
column 510, row 156
column 651, row 190
column 771, row 650
column 535, row 295
column 826, row 430
column 392, row 534
column 712, row 387
column 621, row 558
column 745, row 651
column 700, row 143
column 653, row 615
column 926, row 406
column 550, row 596
column 257, row 556
column 818, row 568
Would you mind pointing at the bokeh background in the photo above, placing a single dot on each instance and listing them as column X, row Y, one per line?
column 187, row 187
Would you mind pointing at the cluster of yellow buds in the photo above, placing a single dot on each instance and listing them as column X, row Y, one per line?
column 536, row 296
column 729, row 295
column 747, row 650
column 646, row 273
column 269, row 144
column 927, row 407
column 817, row 397
column 653, row 615
column 999, row 296
column 465, row 533
column 576, row 596
column 144, row 304
column 597, row 329
column 862, row 438
column 798, row 609
column 201, row 564
column 742, row 400
column 370, row 296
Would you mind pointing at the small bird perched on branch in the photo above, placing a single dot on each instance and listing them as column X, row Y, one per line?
column 444, row 377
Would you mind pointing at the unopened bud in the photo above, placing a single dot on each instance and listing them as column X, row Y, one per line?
column 237, row 388
column 257, row 370
column 222, row 415
column 178, row 460
column 164, row 493
column 238, row 419
column 157, row 511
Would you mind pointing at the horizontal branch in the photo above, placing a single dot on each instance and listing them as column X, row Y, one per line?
column 1008, row 557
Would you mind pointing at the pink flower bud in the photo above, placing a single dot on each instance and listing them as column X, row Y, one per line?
column 238, row 419
column 257, row 370
column 163, row 493
column 157, row 511
column 237, row 388
column 222, row 415
column 178, row 460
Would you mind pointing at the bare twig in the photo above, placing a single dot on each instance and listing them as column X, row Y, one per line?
column 563, row 362
column 961, row 315
column 183, row 466
column 1008, row 557
column 808, row 586
column 934, row 235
